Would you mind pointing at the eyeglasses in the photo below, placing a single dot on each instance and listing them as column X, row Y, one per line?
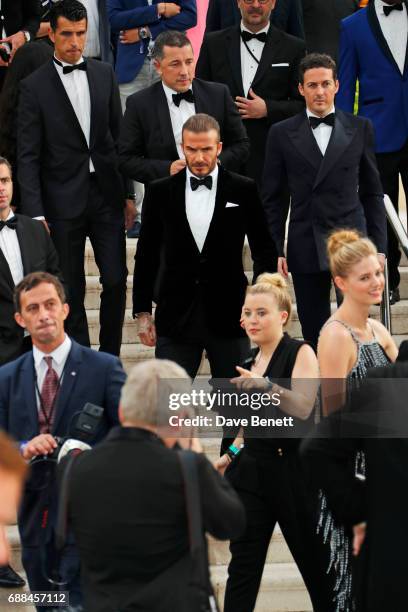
column 259, row 1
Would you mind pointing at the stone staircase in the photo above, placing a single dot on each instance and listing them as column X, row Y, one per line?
column 282, row 588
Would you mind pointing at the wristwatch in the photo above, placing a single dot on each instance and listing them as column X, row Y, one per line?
column 27, row 35
column 144, row 33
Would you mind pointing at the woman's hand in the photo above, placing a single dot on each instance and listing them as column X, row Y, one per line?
column 249, row 380
column 222, row 463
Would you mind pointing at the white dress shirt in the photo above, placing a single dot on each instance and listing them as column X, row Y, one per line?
column 92, row 47
column 59, row 358
column 323, row 132
column 77, row 87
column 200, row 206
column 11, row 250
column 178, row 116
column 395, row 30
column 248, row 64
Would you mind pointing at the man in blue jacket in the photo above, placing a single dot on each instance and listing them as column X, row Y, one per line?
column 42, row 395
column 373, row 50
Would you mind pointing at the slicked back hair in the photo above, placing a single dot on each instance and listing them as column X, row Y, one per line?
column 69, row 9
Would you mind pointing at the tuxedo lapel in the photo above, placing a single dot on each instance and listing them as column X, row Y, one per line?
column 166, row 129
column 62, row 101
column 379, row 36
column 233, row 44
column 220, row 202
column 179, row 210
column 5, row 273
column 29, row 391
column 341, row 137
column 302, row 137
column 272, row 45
column 25, row 257
column 96, row 96
column 71, row 372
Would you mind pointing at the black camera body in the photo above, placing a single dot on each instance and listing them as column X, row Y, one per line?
column 86, row 427
column 5, row 52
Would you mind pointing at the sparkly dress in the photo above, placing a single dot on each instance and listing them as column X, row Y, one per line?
column 370, row 354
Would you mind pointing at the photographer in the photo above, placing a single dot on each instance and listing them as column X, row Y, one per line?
column 127, row 506
column 42, row 396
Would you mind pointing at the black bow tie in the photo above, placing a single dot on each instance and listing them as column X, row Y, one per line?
column 392, row 7
column 11, row 223
column 249, row 36
column 71, row 68
column 316, row 121
column 188, row 96
column 195, row 182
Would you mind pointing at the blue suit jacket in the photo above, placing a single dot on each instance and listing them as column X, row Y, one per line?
column 383, row 94
column 89, row 376
column 127, row 14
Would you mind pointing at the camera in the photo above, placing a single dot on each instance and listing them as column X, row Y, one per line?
column 78, row 438
column 5, row 52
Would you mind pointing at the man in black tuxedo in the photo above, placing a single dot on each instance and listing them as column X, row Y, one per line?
column 259, row 63
column 68, row 123
column 327, row 158
column 150, row 142
column 375, row 422
column 197, row 219
column 19, row 22
column 132, row 543
column 25, row 246
column 287, row 16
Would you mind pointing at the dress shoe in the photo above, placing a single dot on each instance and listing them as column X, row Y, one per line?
column 10, row 578
column 134, row 231
column 394, row 296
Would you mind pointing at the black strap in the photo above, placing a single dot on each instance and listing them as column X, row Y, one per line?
column 250, row 52
column 198, row 548
column 62, row 516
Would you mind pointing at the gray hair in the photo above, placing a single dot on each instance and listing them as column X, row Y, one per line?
column 145, row 395
column 169, row 38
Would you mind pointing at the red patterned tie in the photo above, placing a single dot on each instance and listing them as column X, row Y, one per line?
column 48, row 397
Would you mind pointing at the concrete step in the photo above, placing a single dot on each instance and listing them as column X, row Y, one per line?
column 94, row 288
column 399, row 313
column 282, row 588
column 91, row 268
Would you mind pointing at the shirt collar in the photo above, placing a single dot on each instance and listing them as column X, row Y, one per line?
column 11, row 215
column 265, row 29
column 59, row 68
column 213, row 174
column 59, row 355
column 380, row 6
column 310, row 114
column 169, row 93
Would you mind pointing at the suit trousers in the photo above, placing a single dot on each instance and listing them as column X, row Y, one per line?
column 105, row 227
column 390, row 166
column 36, row 565
column 274, row 491
column 313, row 303
column 186, row 348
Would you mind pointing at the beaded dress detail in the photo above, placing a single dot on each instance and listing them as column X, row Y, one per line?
column 370, row 354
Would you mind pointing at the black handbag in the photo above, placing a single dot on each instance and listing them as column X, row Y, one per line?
column 185, row 586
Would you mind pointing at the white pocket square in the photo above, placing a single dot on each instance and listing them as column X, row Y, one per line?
column 230, row 205
column 283, row 65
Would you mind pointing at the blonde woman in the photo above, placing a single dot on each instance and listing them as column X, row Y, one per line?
column 267, row 473
column 350, row 343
